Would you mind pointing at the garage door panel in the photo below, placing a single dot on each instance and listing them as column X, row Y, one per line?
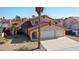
column 59, row 33
column 47, row 34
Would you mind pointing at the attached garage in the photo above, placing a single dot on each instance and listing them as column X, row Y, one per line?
column 47, row 32
column 52, row 34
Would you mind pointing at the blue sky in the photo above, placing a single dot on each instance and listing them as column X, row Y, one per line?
column 54, row 12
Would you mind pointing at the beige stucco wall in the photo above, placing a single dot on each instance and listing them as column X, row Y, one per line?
column 30, row 33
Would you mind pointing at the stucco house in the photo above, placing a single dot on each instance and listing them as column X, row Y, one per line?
column 71, row 23
column 4, row 23
column 68, row 22
column 47, row 31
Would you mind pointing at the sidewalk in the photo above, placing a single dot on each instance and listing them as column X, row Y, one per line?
column 59, row 44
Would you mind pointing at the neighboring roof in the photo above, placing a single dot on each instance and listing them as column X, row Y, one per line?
column 46, row 26
column 27, row 24
column 4, row 21
column 74, row 19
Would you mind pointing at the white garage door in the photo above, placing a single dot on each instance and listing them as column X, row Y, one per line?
column 51, row 34
column 47, row 34
column 59, row 33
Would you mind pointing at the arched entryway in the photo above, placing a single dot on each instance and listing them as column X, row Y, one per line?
column 34, row 35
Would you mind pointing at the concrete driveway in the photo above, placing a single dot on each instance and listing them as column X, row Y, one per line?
column 60, row 44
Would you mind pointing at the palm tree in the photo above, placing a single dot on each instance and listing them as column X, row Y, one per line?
column 3, row 18
column 39, row 10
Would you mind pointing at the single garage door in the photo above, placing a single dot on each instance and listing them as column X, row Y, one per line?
column 47, row 34
column 59, row 33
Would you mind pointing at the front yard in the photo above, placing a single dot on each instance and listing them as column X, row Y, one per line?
column 19, row 43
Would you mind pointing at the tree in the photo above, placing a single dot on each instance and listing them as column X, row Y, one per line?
column 39, row 10
column 3, row 18
column 15, row 28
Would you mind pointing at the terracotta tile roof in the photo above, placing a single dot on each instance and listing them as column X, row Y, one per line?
column 46, row 26
column 36, row 26
column 43, row 16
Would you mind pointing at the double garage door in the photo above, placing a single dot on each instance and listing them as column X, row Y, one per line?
column 52, row 34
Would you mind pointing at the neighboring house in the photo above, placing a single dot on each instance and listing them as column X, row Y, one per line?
column 72, row 23
column 5, row 23
column 47, row 31
column 44, row 18
column 75, row 29
column 68, row 22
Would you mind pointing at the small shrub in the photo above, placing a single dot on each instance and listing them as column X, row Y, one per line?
column 2, row 40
